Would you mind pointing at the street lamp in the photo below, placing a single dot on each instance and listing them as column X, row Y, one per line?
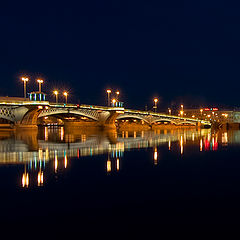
column 108, row 96
column 181, row 111
column 117, row 92
column 155, row 104
column 25, row 80
column 114, row 101
column 66, row 95
column 56, row 95
column 40, row 81
column 169, row 111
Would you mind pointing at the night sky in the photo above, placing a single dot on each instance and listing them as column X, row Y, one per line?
column 180, row 51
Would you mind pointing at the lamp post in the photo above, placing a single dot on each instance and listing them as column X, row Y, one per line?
column 114, row 101
column 66, row 95
column 40, row 81
column 181, row 111
column 56, row 95
column 108, row 96
column 117, row 96
column 155, row 104
column 25, row 80
column 201, row 111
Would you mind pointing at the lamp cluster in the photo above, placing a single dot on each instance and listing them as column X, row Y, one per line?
column 115, row 99
column 40, row 82
column 56, row 93
column 25, row 80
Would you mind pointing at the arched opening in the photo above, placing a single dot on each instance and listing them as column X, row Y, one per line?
column 63, row 119
column 132, row 123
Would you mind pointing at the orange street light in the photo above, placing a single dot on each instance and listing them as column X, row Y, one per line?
column 56, row 94
column 66, row 95
column 155, row 104
column 117, row 92
column 25, row 80
column 40, row 81
column 108, row 96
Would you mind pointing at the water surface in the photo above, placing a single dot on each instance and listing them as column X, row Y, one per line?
column 115, row 182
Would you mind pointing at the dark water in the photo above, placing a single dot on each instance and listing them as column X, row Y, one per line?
column 108, row 184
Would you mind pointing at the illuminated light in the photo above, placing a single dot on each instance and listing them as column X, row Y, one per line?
column 207, row 109
column 193, row 116
column 46, row 107
column 62, row 133
column 114, row 101
column 65, row 161
column 66, row 95
column 225, row 138
column 109, row 167
column 25, row 79
column 155, row 100
column 134, row 134
column 40, row 178
column 83, row 138
column 39, row 80
column 201, row 145
column 155, row 156
column 56, row 162
column 181, row 112
column 25, row 180
column 47, row 154
column 118, row 164
column 126, row 134
column 215, row 109
column 109, row 91
column 40, row 154
column 169, row 144
column 208, row 116
column 181, row 144
column 45, row 133
column 40, row 107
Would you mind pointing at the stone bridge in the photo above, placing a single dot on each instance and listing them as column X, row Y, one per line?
column 26, row 114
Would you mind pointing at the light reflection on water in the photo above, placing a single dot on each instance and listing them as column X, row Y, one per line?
column 51, row 149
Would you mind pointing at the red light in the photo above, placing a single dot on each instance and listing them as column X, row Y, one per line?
column 206, row 109
column 215, row 109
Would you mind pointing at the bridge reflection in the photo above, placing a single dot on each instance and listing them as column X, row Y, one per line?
column 52, row 148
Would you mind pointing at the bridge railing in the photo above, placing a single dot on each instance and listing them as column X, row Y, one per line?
column 165, row 116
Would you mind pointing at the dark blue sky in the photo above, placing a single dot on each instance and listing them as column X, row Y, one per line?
column 181, row 51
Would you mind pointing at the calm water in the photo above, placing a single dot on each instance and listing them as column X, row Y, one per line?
column 119, row 182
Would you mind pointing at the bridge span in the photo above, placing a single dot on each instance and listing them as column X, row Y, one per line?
column 20, row 113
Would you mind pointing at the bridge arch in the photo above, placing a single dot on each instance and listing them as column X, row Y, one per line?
column 61, row 112
column 129, row 116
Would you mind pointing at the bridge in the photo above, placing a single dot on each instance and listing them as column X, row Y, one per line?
column 22, row 113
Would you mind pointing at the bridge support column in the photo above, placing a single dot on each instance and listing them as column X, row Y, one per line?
column 107, row 119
